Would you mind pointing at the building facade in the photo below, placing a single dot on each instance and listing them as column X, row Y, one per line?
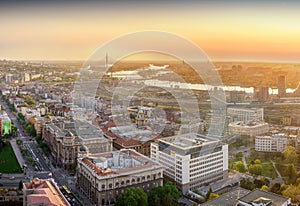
column 275, row 143
column 191, row 160
column 103, row 177
column 245, row 114
column 281, row 86
column 65, row 137
column 250, row 129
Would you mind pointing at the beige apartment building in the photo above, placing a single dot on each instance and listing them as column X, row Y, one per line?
column 103, row 177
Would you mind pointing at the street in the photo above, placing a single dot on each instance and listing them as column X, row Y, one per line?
column 43, row 168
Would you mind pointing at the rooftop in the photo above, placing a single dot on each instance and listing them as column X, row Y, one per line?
column 266, row 198
column 189, row 140
column 228, row 199
column 45, row 192
column 252, row 124
column 118, row 162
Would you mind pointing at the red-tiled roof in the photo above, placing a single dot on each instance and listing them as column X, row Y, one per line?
column 130, row 142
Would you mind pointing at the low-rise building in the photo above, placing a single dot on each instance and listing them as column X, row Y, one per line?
column 263, row 198
column 251, row 128
column 244, row 197
column 103, row 177
column 11, row 196
column 275, row 143
column 43, row 192
column 130, row 137
column 246, row 114
column 191, row 160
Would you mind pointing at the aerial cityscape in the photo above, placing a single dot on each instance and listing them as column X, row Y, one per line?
column 155, row 103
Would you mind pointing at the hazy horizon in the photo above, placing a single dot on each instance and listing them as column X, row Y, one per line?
column 232, row 30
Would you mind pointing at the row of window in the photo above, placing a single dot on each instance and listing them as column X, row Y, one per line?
column 208, row 169
column 200, row 159
column 206, row 163
column 205, row 178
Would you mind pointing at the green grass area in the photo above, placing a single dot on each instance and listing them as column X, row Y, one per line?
column 268, row 170
column 267, row 167
column 8, row 160
column 281, row 169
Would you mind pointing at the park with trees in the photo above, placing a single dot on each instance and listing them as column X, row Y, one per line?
column 166, row 195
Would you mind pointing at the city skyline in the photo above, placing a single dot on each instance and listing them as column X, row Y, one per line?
column 235, row 30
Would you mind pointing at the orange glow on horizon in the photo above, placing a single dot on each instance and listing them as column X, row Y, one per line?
column 235, row 33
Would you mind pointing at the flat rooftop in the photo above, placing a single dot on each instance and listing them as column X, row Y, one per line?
column 248, row 124
column 119, row 162
column 228, row 199
column 260, row 196
column 189, row 140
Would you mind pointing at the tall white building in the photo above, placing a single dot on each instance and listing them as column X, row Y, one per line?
column 275, row 143
column 191, row 160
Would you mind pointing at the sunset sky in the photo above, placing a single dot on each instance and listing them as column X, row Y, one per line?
column 225, row 30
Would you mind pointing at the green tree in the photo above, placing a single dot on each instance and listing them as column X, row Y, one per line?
column 290, row 155
column 30, row 129
column 213, row 196
column 259, row 182
column 21, row 117
column 239, row 166
column 247, row 184
column 14, row 130
column 255, row 169
column 292, row 192
column 133, row 196
column 291, row 174
column 275, row 188
column 257, row 161
column 265, row 188
column 166, row 195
